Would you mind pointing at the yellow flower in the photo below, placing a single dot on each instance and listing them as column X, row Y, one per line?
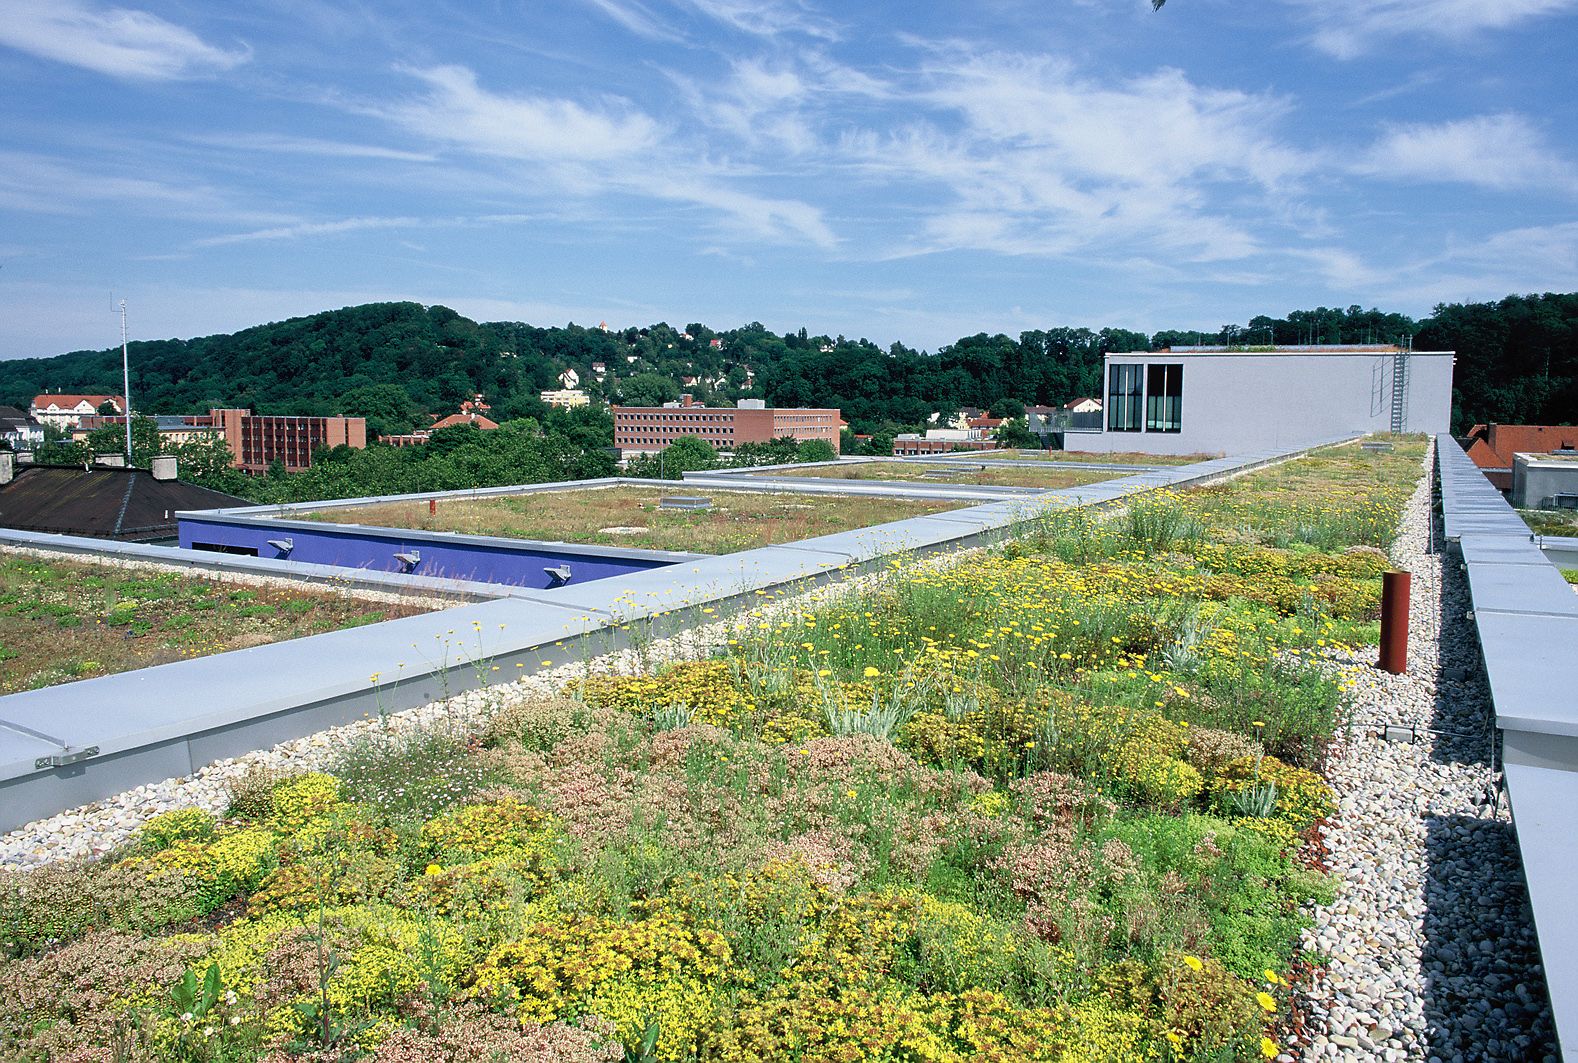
column 1272, row 976
column 1268, row 1048
column 851, row 793
column 1267, row 1001
column 872, row 673
column 1193, row 962
column 433, row 869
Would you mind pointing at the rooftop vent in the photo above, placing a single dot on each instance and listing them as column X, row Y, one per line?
column 687, row 502
column 164, row 467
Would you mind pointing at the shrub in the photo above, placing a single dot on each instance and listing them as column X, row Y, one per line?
column 630, row 973
column 75, row 1002
column 1209, row 749
column 58, row 902
column 412, row 775
column 706, row 687
column 252, row 794
column 541, row 723
column 1212, row 1011
column 473, row 1034
column 183, row 824
column 507, row 828
column 1302, row 797
column 300, row 799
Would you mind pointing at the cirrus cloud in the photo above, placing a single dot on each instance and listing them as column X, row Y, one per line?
column 119, row 42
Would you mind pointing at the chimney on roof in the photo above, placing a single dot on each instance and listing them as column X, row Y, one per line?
column 111, row 461
column 164, row 467
column 7, row 467
column 686, row 400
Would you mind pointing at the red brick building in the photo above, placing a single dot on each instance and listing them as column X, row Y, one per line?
column 259, row 441
column 255, row 441
column 651, row 428
column 1492, row 446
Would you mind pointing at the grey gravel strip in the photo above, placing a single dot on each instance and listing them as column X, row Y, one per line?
column 1431, row 942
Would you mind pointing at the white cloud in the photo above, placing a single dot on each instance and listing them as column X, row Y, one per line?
column 766, row 18
column 636, row 18
column 457, row 111
column 581, row 151
column 116, row 41
column 1036, row 159
column 271, row 143
column 1350, row 28
column 1536, row 258
column 1500, row 151
column 44, row 185
column 307, row 229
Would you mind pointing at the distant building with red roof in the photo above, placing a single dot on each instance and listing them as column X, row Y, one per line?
column 64, row 411
column 1491, row 446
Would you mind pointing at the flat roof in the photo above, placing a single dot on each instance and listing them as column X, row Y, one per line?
column 1261, row 352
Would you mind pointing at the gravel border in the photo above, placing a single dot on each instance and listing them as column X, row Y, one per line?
column 1431, row 944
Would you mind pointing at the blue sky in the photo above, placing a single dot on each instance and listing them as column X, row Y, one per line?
column 914, row 171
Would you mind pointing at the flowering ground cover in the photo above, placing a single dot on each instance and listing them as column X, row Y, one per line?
column 65, row 620
column 1118, row 457
column 631, row 516
column 1048, row 802
column 1046, row 476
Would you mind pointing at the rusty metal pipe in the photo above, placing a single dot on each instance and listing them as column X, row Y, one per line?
column 432, row 506
column 1395, row 587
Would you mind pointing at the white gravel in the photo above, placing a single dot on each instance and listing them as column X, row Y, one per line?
column 1431, row 944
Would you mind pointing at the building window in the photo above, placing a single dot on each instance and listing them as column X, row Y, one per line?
column 1163, row 398
column 1123, row 397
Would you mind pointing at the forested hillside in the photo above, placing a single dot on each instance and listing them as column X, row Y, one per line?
column 399, row 363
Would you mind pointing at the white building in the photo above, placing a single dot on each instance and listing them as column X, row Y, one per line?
column 64, row 411
column 566, row 398
column 1216, row 400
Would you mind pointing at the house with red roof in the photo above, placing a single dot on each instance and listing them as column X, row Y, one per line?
column 64, row 411
column 1491, row 446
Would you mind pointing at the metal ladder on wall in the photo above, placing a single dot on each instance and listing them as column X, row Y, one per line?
column 1400, row 392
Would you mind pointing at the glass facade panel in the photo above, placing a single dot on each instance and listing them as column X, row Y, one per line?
column 1163, row 398
column 1123, row 397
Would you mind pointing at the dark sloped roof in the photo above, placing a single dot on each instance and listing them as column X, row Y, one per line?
column 104, row 503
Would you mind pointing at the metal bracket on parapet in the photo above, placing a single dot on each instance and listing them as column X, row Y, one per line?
column 62, row 760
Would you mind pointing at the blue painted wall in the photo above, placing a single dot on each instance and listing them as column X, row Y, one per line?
column 355, row 547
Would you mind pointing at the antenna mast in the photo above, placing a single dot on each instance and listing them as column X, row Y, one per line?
column 126, row 385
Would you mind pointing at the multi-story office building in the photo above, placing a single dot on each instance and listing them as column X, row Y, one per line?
column 651, row 428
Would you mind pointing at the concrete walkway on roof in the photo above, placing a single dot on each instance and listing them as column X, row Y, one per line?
column 63, row 746
column 1527, row 618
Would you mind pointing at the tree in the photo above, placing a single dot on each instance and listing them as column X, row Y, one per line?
column 648, row 389
column 108, row 409
column 146, row 440
column 1014, row 433
column 685, row 454
column 58, row 449
column 207, row 459
column 388, row 408
column 817, row 450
